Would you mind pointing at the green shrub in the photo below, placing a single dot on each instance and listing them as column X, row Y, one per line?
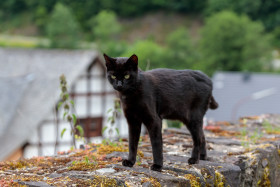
column 62, row 29
column 233, row 43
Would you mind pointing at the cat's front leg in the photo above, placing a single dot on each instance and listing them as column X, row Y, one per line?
column 155, row 134
column 134, row 130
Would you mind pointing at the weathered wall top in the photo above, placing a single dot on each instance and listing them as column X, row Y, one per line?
column 244, row 154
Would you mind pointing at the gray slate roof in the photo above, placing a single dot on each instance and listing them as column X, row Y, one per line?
column 238, row 95
column 29, row 89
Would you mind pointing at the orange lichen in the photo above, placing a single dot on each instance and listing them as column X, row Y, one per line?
column 265, row 181
column 107, row 149
column 84, row 166
column 220, row 132
column 153, row 181
column 193, row 179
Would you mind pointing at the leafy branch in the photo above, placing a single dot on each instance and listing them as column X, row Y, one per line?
column 112, row 120
column 68, row 106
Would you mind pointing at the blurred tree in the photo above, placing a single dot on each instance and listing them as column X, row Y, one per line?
column 276, row 37
column 41, row 17
column 266, row 11
column 105, row 26
column 114, row 48
column 181, row 50
column 106, row 30
column 132, row 8
column 184, row 6
column 62, row 29
column 150, row 54
column 233, row 43
column 12, row 7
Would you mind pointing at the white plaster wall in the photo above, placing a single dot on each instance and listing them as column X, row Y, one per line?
column 49, row 134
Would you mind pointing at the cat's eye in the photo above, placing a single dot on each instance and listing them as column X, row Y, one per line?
column 113, row 77
column 127, row 76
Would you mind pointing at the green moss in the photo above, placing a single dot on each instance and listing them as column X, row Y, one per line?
column 82, row 166
column 16, row 164
column 102, row 181
column 153, row 181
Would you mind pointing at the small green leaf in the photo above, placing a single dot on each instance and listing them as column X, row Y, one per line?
column 109, row 119
column 80, row 129
column 110, row 110
column 72, row 103
column 64, row 114
column 74, row 119
column 86, row 159
column 120, row 140
column 104, row 142
column 119, row 110
column 104, row 129
column 62, row 132
column 118, row 132
column 59, row 105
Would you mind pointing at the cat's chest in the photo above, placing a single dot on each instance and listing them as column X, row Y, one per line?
column 131, row 103
column 128, row 101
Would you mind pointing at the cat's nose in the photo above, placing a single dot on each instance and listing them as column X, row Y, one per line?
column 119, row 85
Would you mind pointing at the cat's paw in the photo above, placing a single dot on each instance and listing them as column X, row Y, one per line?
column 203, row 157
column 127, row 163
column 156, row 167
column 193, row 161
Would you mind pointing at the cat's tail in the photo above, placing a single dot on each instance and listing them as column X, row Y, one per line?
column 212, row 103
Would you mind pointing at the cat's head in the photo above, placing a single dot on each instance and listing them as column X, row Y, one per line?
column 122, row 72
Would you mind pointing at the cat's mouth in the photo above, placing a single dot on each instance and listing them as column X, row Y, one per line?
column 119, row 88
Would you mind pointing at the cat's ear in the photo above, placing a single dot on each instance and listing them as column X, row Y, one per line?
column 133, row 62
column 110, row 62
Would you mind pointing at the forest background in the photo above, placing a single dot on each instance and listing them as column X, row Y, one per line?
column 210, row 35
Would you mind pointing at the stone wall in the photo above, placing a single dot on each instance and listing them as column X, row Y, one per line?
column 244, row 154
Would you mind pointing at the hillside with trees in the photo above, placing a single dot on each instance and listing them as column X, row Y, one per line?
column 208, row 35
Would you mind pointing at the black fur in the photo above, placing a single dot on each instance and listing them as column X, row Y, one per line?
column 150, row 96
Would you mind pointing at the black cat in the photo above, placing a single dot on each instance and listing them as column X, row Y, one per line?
column 150, row 96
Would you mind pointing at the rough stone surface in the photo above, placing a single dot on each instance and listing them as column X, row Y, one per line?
column 236, row 157
column 105, row 171
column 34, row 184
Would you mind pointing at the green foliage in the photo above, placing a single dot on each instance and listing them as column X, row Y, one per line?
column 181, row 49
column 41, row 17
column 69, row 105
column 276, row 37
column 174, row 124
column 105, row 25
column 114, row 113
column 270, row 128
column 265, row 11
column 229, row 40
column 62, row 132
column 178, row 53
column 106, row 30
column 248, row 137
column 233, row 43
column 62, row 29
column 148, row 52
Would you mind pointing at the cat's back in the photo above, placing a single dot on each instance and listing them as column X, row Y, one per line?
column 177, row 90
column 171, row 76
